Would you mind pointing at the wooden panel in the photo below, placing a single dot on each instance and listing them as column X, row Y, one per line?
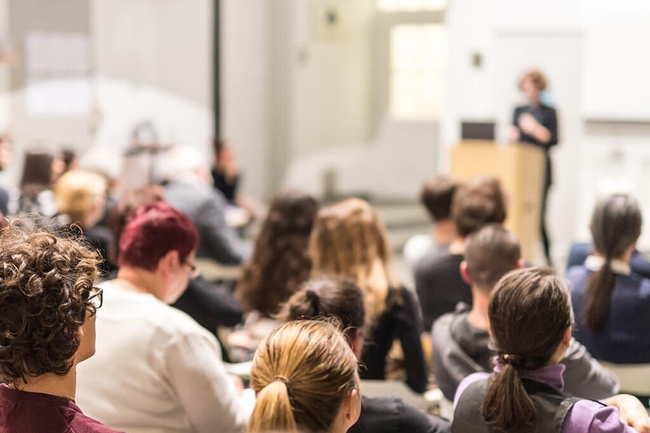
column 520, row 168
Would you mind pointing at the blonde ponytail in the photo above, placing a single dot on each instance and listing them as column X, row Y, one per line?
column 272, row 410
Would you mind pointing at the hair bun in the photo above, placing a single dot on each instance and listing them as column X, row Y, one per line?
column 513, row 360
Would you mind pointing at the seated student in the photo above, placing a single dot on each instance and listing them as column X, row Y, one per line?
column 280, row 262
column 612, row 303
column 48, row 307
column 80, row 198
column 530, row 327
column 349, row 241
column 461, row 339
column 211, row 305
column 436, row 196
column 40, row 170
column 639, row 263
column 438, row 281
column 325, row 296
column 156, row 369
column 305, row 378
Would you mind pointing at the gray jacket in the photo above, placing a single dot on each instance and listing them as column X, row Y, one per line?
column 206, row 208
column 583, row 377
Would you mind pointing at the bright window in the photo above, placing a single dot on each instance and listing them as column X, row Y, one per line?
column 417, row 71
column 411, row 5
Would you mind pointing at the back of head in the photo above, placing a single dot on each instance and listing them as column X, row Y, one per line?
column 183, row 161
column 437, row 195
column 280, row 262
column 154, row 231
column 490, row 253
column 301, row 374
column 530, row 312
column 77, row 192
column 326, row 296
column 479, row 202
column 615, row 227
column 45, row 284
column 349, row 241
column 37, row 171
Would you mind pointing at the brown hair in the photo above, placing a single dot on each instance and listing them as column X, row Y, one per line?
column 280, row 261
column 615, row 226
column 536, row 77
column 490, row 253
column 436, row 196
column 529, row 311
column 349, row 241
column 45, row 283
column 301, row 374
column 326, row 296
column 479, row 202
column 127, row 206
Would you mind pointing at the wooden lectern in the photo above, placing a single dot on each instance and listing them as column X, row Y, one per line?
column 520, row 168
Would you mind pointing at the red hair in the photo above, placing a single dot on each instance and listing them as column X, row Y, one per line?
column 154, row 231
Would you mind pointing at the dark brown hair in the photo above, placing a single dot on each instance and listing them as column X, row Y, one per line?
column 479, row 202
column 325, row 296
column 536, row 77
column 529, row 311
column 45, row 282
column 436, row 196
column 490, row 253
column 37, row 173
column 280, row 262
column 615, row 227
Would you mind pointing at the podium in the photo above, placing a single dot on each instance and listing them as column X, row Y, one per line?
column 521, row 170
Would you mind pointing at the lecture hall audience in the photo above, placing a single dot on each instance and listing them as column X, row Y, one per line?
column 530, row 329
column 325, row 296
column 349, row 241
column 157, row 367
column 461, row 341
column 280, row 262
column 438, row 281
column 48, row 309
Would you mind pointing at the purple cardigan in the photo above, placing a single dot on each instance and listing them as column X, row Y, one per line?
column 586, row 416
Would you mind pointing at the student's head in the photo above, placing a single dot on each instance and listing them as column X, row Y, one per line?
column 47, row 307
column 40, row 169
column 327, row 296
column 490, row 253
column 305, row 377
column 615, row 227
column 161, row 241
column 349, row 241
column 530, row 327
column 130, row 202
column 280, row 262
column 183, row 161
column 81, row 195
column 479, row 202
column 436, row 196
column 532, row 83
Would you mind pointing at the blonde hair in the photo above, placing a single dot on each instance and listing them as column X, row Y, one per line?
column 76, row 192
column 301, row 375
column 348, row 240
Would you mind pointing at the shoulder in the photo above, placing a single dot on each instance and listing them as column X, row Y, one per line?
column 442, row 323
column 81, row 423
column 472, row 379
column 591, row 416
column 576, row 275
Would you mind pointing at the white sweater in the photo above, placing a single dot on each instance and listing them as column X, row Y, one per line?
column 156, row 370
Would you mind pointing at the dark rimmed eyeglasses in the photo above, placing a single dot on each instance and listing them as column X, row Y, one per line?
column 96, row 297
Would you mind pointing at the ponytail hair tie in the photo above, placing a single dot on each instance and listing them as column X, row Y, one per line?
column 281, row 379
column 513, row 360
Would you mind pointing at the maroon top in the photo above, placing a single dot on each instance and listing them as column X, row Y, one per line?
column 31, row 412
